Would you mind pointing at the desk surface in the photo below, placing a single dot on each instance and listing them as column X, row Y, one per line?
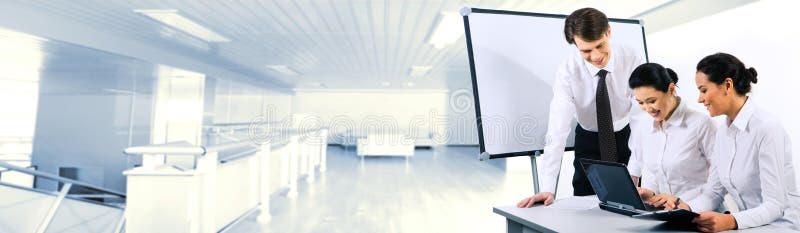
column 594, row 220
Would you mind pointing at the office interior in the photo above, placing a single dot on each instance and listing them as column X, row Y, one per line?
column 273, row 116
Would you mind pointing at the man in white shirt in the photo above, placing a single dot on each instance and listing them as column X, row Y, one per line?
column 602, row 109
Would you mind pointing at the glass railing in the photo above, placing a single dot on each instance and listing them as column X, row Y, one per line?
column 37, row 210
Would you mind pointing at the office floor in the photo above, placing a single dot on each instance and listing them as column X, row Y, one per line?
column 445, row 189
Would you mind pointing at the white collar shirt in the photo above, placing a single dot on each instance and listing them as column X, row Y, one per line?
column 753, row 163
column 574, row 98
column 676, row 155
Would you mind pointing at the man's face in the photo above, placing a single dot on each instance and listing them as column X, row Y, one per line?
column 596, row 52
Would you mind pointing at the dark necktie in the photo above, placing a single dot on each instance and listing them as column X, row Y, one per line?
column 605, row 125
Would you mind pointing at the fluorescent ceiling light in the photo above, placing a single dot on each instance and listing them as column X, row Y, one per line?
column 409, row 84
column 449, row 28
column 283, row 69
column 184, row 38
column 171, row 18
column 420, row 71
column 386, row 84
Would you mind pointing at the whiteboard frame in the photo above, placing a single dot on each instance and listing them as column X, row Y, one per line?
column 465, row 12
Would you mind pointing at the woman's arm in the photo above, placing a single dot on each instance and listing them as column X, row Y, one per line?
column 716, row 192
column 773, row 149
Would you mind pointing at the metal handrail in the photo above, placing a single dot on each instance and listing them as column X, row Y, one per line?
column 186, row 148
column 230, row 146
column 237, row 126
column 58, row 178
column 286, row 133
column 216, row 128
column 171, row 148
column 239, row 155
column 273, row 146
column 6, row 169
column 62, row 194
column 91, row 195
column 69, row 196
column 223, row 125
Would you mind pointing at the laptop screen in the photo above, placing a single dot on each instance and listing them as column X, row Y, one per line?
column 612, row 183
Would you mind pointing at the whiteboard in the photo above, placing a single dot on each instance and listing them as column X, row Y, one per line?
column 513, row 61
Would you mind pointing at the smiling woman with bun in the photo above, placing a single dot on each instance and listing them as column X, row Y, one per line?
column 675, row 147
column 752, row 158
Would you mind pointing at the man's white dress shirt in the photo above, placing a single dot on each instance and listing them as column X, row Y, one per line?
column 574, row 98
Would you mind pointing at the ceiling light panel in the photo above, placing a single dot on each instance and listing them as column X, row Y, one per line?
column 449, row 27
column 283, row 69
column 172, row 18
column 420, row 71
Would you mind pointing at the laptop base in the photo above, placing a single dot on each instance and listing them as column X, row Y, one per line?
column 617, row 210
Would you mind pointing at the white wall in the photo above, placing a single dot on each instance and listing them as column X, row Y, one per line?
column 763, row 35
column 462, row 126
column 237, row 102
column 277, row 105
column 425, row 110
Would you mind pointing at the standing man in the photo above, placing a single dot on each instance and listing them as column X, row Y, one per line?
column 590, row 86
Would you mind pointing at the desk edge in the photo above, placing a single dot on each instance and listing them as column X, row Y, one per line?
column 522, row 221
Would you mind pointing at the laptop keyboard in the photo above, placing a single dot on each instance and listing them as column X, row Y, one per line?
column 649, row 207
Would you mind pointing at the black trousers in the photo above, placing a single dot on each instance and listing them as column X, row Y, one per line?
column 587, row 146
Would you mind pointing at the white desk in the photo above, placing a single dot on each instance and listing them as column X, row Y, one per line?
column 385, row 145
column 540, row 219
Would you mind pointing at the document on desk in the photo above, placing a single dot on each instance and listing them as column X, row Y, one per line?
column 575, row 203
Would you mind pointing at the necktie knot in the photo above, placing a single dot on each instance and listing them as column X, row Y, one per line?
column 602, row 74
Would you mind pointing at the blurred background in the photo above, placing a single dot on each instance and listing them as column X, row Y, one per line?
column 92, row 90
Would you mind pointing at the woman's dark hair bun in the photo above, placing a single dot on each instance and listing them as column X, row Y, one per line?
column 753, row 75
column 672, row 75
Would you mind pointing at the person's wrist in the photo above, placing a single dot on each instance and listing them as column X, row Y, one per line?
column 684, row 205
column 732, row 220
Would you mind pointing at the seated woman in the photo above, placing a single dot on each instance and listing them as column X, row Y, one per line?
column 675, row 146
column 752, row 158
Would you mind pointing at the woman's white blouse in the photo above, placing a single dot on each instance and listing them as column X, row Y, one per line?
column 675, row 156
column 753, row 163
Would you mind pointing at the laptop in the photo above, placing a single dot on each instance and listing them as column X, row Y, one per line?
column 614, row 188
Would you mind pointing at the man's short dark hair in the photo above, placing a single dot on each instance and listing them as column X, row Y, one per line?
column 587, row 23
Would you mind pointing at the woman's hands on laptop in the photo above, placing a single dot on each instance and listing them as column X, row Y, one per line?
column 546, row 197
column 668, row 201
column 646, row 194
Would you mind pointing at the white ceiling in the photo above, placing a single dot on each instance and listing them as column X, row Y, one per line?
column 344, row 44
